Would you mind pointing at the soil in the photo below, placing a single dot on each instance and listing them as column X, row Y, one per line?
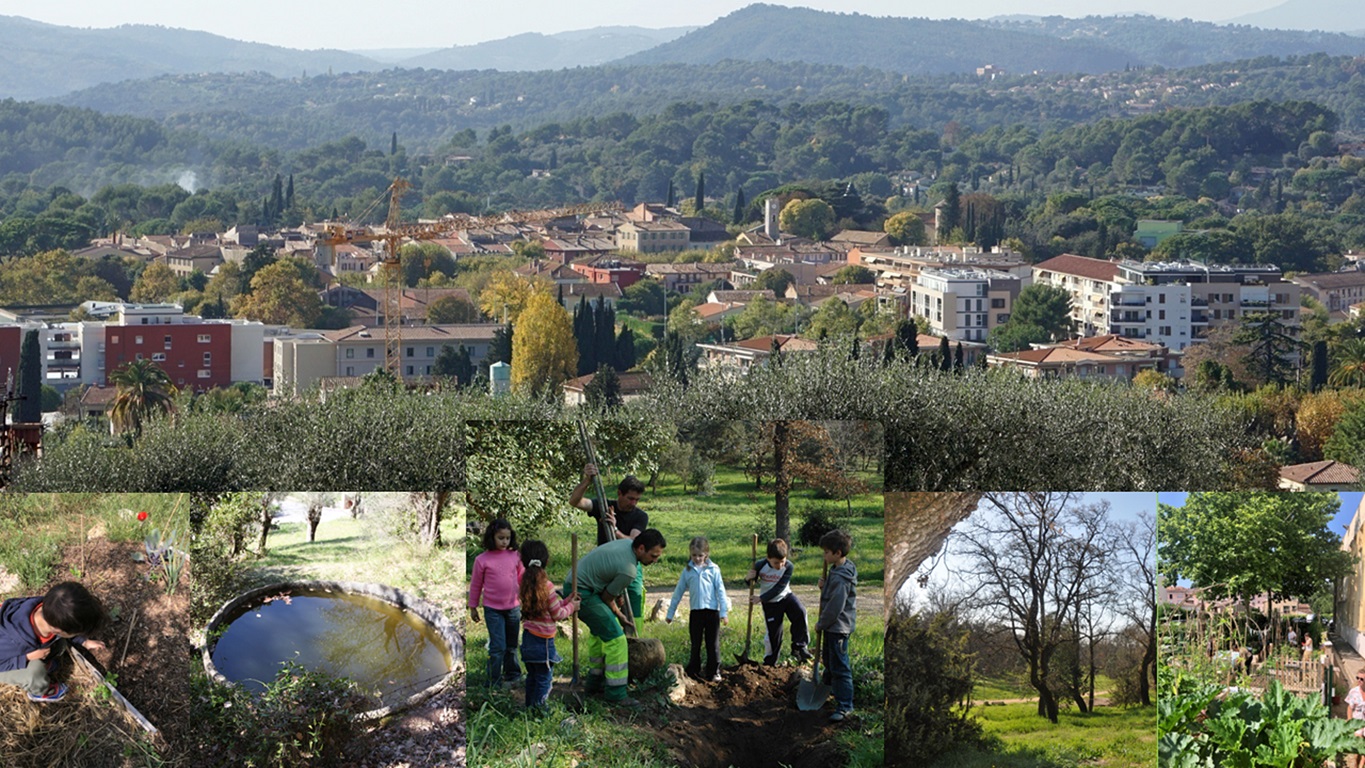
column 430, row 735
column 153, row 674
column 749, row 719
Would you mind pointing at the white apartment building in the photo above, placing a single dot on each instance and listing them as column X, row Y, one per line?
column 1168, row 303
column 963, row 304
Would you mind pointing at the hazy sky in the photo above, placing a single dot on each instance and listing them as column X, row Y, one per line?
column 355, row 25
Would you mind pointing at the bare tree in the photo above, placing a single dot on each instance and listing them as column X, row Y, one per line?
column 1035, row 557
column 1135, row 544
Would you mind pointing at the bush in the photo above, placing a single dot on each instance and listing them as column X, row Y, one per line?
column 701, row 475
column 926, row 714
column 819, row 521
column 301, row 718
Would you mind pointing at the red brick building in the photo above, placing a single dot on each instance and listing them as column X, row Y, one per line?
column 11, row 339
column 197, row 356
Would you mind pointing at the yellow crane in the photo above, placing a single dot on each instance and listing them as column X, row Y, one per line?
column 393, row 233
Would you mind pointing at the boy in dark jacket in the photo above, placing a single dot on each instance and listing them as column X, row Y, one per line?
column 838, row 617
column 774, row 573
column 34, row 632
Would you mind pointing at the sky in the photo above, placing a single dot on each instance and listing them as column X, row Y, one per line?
column 352, row 25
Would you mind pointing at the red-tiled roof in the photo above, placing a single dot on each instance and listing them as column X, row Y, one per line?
column 1321, row 473
column 1071, row 264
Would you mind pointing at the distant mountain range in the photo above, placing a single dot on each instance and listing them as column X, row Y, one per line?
column 532, row 51
column 43, row 61
column 1330, row 15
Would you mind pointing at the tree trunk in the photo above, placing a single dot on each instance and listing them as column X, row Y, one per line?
column 356, row 511
column 430, row 507
column 781, row 480
column 314, row 517
column 916, row 525
column 266, row 518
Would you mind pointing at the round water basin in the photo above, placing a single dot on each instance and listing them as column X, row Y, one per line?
column 398, row 649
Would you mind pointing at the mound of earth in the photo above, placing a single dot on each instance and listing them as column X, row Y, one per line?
column 749, row 719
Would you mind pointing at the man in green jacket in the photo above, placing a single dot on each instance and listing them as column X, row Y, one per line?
column 603, row 575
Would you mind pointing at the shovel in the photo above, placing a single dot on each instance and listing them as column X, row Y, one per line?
column 812, row 693
column 573, row 569
column 743, row 658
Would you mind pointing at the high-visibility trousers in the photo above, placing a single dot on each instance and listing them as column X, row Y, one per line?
column 608, row 656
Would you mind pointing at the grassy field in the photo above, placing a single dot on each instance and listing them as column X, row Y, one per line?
column 1002, row 688
column 1113, row 737
column 501, row 734
column 361, row 550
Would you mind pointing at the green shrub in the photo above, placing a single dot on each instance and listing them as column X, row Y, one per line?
column 818, row 522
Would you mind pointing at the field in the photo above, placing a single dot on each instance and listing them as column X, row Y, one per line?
column 1113, row 737
column 749, row 719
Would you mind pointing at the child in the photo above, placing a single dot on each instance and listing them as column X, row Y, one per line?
column 543, row 607
column 497, row 578
column 838, row 615
column 34, row 632
column 710, row 607
column 777, row 599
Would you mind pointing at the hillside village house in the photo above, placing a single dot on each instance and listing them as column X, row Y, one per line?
column 653, row 236
column 681, row 278
column 755, row 351
column 633, row 386
column 1336, row 291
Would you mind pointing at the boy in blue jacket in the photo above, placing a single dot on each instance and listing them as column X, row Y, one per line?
column 838, row 618
column 710, row 607
column 34, row 632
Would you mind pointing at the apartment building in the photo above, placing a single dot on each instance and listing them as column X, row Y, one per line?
column 963, row 304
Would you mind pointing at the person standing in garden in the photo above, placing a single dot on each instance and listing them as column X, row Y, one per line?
column 603, row 575
column 619, row 519
column 495, row 582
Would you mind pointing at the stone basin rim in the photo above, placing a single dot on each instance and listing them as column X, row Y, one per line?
column 423, row 609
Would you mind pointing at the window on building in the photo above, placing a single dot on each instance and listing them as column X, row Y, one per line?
column 350, row 370
column 208, row 358
column 137, row 339
column 138, row 356
column 167, row 342
column 350, row 352
column 158, row 357
column 1161, row 314
column 369, row 352
column 409, row 371
column 205, row 373
column 997, row 303
column 1161, row 298
column 412, row 352
column 431, row 351
column 203, row 338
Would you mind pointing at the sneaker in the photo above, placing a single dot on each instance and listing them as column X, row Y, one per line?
column 839, row 715
column 54, row 692
column 802, row 655
column 715, row 678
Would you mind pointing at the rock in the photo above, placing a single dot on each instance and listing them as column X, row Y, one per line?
column 646, row 655
column 678, row 691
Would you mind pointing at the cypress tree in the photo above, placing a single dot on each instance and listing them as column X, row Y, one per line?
column 700, row 201
column 671, row 193
column 554, row 158
column 276, row 198
column 738, row 216
column 853, row 351
column 604, row 391
column 586, row 337
column 888, row 351
column 289, row 193
column 604, row 333
column 907, row 336
column 1318, row 378
column 393, row 144
column 958, row 365
column 945, row 355
column 625, row 349
column 30, row 388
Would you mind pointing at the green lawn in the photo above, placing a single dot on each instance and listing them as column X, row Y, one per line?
column 361, row 550
column 1006, row 688
column 1113, row 737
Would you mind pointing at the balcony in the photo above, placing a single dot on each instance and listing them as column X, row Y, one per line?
column 1127, row 318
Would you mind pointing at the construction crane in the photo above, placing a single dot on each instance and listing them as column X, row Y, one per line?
column 394, row 232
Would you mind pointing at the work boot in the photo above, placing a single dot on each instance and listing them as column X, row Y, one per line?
column 802, row 655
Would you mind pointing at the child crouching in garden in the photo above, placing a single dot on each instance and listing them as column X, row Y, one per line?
column 34, row 632
column 541, row 607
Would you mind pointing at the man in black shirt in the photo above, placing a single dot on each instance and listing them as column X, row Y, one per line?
column 621, row 519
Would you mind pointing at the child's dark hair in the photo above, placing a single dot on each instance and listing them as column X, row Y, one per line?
column 777, row 548
column 649, row 539
column 498, row 525
column 836, row 541
column 71, row 608
column 535, row 556
column 630, row 483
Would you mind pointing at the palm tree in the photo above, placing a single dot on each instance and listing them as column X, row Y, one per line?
column 1349, row 370
column 143, row 389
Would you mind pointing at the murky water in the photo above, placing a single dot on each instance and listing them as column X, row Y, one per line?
column 391, row 654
